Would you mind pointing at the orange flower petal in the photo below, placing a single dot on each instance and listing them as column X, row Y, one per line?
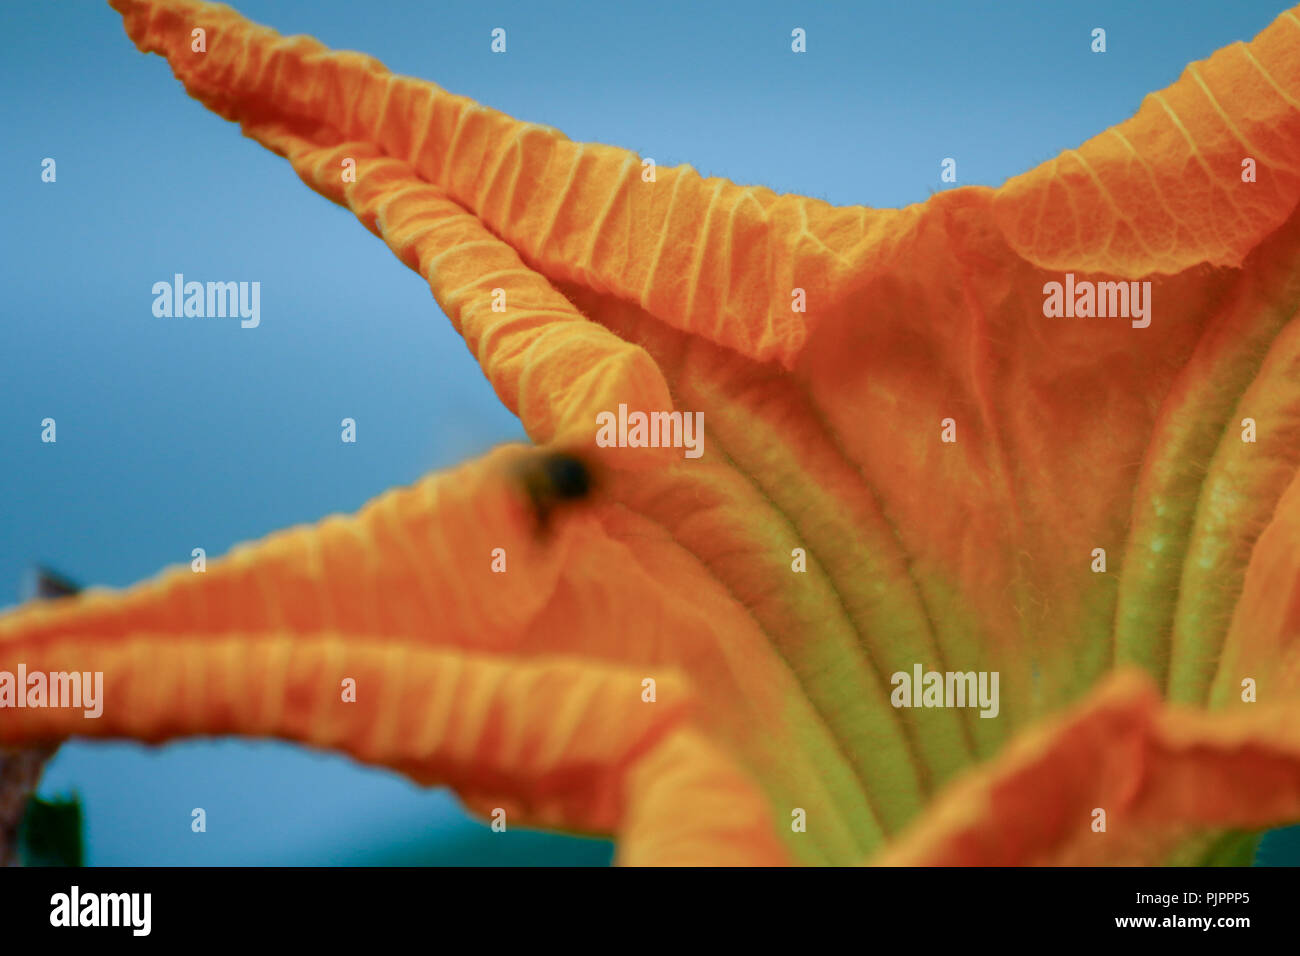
column 1163, row 191
column 1160, row 773
column 1263, row 644
column 554, row 743
column 822, row 434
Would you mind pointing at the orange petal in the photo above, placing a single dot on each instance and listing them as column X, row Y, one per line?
column 548, row 363
column 412, row 572
column 1263, row 644
column 823, row 427
column 557, row 743
column 704, row 254
column 1163, row 191
column 415, row 562
column 1160, row 773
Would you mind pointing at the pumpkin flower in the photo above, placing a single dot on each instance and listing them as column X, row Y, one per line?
column 990, row 553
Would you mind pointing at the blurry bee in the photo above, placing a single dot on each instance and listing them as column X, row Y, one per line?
column 43, row 583
column 550, row 479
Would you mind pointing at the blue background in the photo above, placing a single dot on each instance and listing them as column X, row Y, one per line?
column 175, row 435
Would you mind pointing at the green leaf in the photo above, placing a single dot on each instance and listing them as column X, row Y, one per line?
column 1233, row 848
column 50, row 834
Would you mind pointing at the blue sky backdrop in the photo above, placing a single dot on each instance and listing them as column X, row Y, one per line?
column 197, row 433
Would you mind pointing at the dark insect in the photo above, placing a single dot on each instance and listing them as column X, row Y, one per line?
column 44, row 583
column 552, row 478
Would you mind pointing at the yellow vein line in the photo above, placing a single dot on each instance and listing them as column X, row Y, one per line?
column 485, row 277
column 545, row 235
column 1151, row 174
column 664, row 232
column 490, row 180
column 598, row 225
column 1196, row 75
column 1250, row 57
column 1110, row 200
column 697, row 258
